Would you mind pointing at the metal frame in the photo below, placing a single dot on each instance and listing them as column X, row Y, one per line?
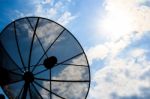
column 45, row 54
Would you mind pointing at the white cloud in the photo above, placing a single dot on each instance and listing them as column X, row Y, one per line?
column 136, row 53
column 44, row 93
column 121, row 76
column 128, row 20
column 46, row 1
column 124, row 22
column 66, row 18
column 49, row 12
column 109, row 49
column 121, row 39
column 48, row 32
column 80, row 60
column 73, row 73
column 123, row 17
column 57, row 11
column 70, row 90
column 97, row 52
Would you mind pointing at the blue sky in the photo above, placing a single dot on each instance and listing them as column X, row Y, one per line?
column 114, row 34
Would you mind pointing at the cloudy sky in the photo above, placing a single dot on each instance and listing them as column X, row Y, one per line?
column 115, row 35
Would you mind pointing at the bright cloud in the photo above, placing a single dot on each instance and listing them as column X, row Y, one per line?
column 97, row 52
column 47, row 32
column 107, row 49
column 124, row 22
column 70, row 90
column 66, row 18
column 47, row 12
column 123, row 17
column 57, row 11
column 46, row 1
column 121, row 76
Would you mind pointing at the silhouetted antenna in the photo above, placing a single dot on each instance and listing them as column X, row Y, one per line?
column 2, row 96
column 40, row 59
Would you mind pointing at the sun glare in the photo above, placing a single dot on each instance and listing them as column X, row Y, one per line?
column 116, row 25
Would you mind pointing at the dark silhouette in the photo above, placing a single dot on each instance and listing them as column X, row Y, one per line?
column 50, row 62
column 2, row 96
column 4, row 77
column 39, row 58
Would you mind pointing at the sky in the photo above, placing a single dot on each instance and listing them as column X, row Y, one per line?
column 115, row 35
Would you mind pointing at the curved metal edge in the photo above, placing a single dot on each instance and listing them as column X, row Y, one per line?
column 66, row 30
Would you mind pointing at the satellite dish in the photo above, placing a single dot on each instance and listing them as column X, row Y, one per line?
column 40, row 59
column 2, row 96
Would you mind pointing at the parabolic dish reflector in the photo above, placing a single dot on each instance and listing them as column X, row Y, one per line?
column 40, row 59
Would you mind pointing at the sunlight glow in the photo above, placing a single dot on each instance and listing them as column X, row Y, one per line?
column 116, row 25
